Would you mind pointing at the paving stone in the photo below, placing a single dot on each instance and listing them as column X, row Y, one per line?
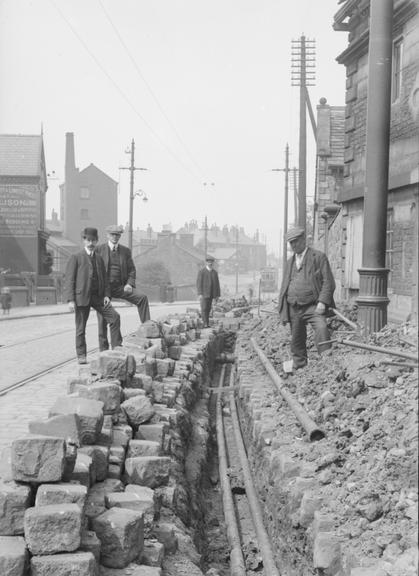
column 150, row 367
column 100, row 459
column 310, row 503
column 151, row 471
column 65, row 426
column 153, row 432
column 106, row 391
column 326, row 553
column 153, row 553
column 95, row 503
column 165, row 532
column 6, row 473
column 138, row 410
column 13, row 556
column 121, row 535
column 38, row 458
column 116, row 455
column 133, row 501
column 113, row 364
column 14, row 500
column 157, row 391
column 148, row 329
column 115, row 470
column 175, row 352
column 90, row 413
column 143, row 448
column 61, row 493
column 122, row 434
column 77, row 564
column 90, row 543
column 130, row 570
column 52, row 529
column 131, row 393
column 83, row 470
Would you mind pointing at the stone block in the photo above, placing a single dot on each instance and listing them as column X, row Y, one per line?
column 138, row 410
column 143, row 448
column 322, row 523
column 310, row 503
column 165, row 532
column 53, row 529
column 141, row 382
column 164, row 367
column 65, row 426
column 74, row 381
column 90, row 543
column 95, row 503
column 137, row 500
column 175, row 352
column 38, row 458
column 121, row 535
column 326, row 553
column 115, row 470
column 117, row 455
column 105, row 436
column 148, row 329
column 100, row 459
column 131, row 393
column 112, row 364
column 151, row 471
column 61, row 493
column 153, row 432
column 150, row 367
column 122, row 434
column 108, row 392
column 282, row 464
column 79, row 563
column 83, row 470
column 14, row 500
column 6, row 474
column 90, row 413
column 13, row 556
column 132, row 570
column 153, row 553
column 157, row 391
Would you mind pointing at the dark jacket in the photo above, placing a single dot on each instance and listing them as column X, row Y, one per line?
column 317, row 270
column 208, row 284
column 78, row 278
column 128, row 271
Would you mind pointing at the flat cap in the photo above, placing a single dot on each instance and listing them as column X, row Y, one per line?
column 294, row 233
column 115, row 229
column 209, row 258
column 90, row 233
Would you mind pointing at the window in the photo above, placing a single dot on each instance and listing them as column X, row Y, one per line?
column 84, row 192
column 84, row 214
column 396, row 81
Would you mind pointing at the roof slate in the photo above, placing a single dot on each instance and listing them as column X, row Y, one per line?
column 20, row 155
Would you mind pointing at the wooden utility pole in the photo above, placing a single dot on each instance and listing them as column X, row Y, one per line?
column 132, row 169
column 206, row 237
column 286, row 190
column 303, row 58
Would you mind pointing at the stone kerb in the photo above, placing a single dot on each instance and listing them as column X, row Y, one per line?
column 89, row 483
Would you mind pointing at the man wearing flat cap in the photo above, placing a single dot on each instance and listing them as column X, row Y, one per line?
column 306, row 295
column 121, row 272
column 208, row 288
column 87, row 286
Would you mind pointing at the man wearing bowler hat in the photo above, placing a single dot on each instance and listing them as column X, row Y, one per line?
column 87, row 286
column 306, row 295
column 121, row 272
column 208, row 287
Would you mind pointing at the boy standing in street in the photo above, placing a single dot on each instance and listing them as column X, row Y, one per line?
column 87, row 286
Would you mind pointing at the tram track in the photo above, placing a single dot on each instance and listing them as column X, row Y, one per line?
column 30, row 340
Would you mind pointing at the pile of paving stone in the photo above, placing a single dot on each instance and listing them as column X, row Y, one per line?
column 346, row 505
column 99, row 486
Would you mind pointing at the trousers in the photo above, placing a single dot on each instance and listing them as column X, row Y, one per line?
column 136, row 298
column 206, row 304
column 300, row 316
column 110, row 316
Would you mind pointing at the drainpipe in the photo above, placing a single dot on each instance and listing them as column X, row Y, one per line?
column 372, row 300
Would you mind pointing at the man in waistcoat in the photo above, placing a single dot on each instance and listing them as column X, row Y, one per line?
column 306, row 295
column 208, row 288
column 121, row 272
column 87, row 286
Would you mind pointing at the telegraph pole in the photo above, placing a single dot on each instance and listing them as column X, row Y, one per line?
column 286, row 190
column 237, row 259
column 303, row 58
column 206, row 237
column 132, row 169
column 295, row 183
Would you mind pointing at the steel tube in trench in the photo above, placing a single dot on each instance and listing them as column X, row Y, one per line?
column 313, row 431
column 269, row 566
column 379, row 349
column 237, row 566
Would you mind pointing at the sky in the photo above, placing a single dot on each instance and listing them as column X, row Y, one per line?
column 202, row 86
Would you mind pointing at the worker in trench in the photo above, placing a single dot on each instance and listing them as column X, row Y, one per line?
column 306, row 296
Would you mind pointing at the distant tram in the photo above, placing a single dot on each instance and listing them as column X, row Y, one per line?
column 269, row 279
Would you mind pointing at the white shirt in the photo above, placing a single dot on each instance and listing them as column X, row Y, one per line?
column 89, row 252
column 113, row 246
column 299, row 258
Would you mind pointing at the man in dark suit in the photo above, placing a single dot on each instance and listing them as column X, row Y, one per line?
column 208, row 287
column 87, row 286
column 306, row 295
column 121, row 273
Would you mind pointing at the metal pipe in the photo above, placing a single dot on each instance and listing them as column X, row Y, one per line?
column 348, row 322
column 237, row 566
column 264, row 543
column 380, row 349
column 395, row 363
column 313, row 431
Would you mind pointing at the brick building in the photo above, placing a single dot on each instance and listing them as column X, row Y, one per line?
column 353, row 17
column 23, row 186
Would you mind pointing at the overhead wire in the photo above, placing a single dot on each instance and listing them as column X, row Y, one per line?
column 150, row 90
column 124, row 96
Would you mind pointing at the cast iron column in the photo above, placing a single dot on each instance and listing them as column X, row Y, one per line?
column 373, row 300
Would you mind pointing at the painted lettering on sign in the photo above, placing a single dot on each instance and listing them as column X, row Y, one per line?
column 19, row 210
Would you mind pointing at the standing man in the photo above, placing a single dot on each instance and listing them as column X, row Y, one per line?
column 86, row 286
column 208, row 287
column 305, row 296
column 121, row 273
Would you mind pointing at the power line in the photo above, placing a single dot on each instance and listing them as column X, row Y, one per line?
column 122, row 93
column 150, row 90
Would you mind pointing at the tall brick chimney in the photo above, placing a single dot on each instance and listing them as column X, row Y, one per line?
column 70, row 162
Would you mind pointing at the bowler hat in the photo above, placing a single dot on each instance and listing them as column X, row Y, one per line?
column 115, row 229
column 90, row 233
column 294, row 233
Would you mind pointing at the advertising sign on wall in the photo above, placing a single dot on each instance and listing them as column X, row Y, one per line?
column 19, row 210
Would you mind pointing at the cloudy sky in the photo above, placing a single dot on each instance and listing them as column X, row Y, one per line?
column 203, row 87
